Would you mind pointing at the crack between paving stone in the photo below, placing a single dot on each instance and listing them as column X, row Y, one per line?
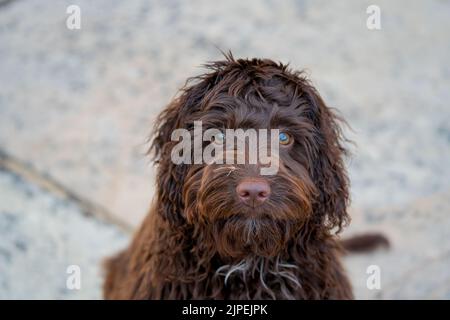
column 49, row 184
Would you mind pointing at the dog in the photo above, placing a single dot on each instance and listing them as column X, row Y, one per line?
column 224, row 231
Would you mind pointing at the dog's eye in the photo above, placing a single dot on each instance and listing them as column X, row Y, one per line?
column 219, row 138
column 285, row 138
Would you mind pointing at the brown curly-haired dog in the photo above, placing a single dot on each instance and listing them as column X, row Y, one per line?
column 226, row 232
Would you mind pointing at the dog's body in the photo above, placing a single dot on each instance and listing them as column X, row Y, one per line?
column 219, row 231
column 167, row 265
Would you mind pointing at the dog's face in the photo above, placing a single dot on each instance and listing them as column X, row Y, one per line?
column 245, row 212
column 252, row 213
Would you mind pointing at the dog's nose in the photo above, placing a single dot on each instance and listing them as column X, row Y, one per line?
column 253, row 192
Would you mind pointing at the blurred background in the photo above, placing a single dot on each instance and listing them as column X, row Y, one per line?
column 77, row 105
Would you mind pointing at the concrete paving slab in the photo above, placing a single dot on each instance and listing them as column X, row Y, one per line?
column 42, row 236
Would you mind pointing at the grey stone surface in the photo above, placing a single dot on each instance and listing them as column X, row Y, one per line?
column 78, row 105
column 41, row 236
column 417, row 266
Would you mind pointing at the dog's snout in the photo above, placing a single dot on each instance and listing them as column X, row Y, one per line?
column 253, row 192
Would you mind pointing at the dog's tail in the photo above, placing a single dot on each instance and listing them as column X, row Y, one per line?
column 366, row 242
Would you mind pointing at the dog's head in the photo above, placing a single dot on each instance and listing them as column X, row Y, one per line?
column 244, row 211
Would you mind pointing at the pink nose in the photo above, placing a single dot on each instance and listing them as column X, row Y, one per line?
column 253, row 192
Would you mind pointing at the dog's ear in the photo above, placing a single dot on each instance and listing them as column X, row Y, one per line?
column 328, row 170
column 170, row 176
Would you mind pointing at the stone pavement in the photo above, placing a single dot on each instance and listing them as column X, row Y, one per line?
column 41, row 236
column 76, row 107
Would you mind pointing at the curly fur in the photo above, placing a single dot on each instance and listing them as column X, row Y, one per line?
column 198, row 242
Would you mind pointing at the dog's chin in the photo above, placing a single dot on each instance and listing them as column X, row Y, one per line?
column 249, row 235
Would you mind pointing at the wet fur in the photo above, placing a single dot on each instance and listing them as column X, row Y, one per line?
column 197, row 242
